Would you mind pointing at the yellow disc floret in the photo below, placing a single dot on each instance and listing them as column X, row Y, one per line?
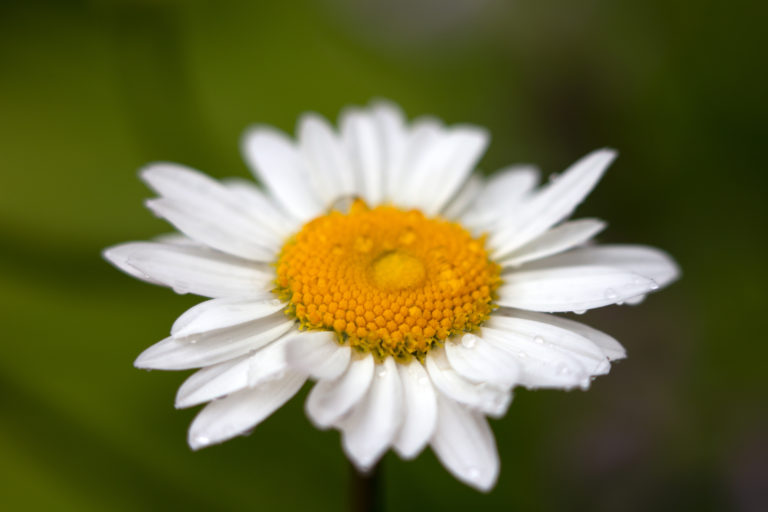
column 387, row 281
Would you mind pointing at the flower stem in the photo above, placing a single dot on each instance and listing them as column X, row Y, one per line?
column 365, row 490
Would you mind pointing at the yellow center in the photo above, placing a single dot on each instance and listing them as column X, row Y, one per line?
column 387, row 281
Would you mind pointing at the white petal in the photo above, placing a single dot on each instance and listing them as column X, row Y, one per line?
column 362, row 140
column 190, row 269
column 552, row 204
column 118, row 256
column 207, row 211
column 500, row 195
column 332, row 175
column 372, row 425
column 554, row 241
column 611, row 348
column 214, row 347
column 220, row 230
column 479, row 361
column 317, row 353
column 394, row 138
column 464, row 443
column 648, row 262
column 176, row 238
column 331, row 399
column 419, row 410
column 554, row 336
column 213, row 382
column 510, row 185
column 225, row 312
column 573, row 288
column 237, row 413
column 269, row 362
column 225, row 378
column 177, row 181
column 402, row 182
column 283, row 171
column 486, row 398
column 262, row 207
column 542, row 366
column 444, row 167
column 464, row 198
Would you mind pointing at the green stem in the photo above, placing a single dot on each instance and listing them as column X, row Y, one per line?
column 365, row 493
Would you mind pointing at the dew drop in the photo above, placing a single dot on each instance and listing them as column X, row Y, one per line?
column 202, row 440
column 539, row 340
column 522, row 354
column 473, row 473
column 382, row 372
column 344, row 203
column 653, row 285
column 580, row 311
column 469, row 340
column 611, row 294
column 193, row 341
column 562, row 369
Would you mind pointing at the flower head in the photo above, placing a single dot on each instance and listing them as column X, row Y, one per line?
column 415, row 294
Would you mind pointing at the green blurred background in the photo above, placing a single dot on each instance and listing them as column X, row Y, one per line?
column 92, row 90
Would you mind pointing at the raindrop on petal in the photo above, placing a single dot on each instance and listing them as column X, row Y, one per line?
column 469, row 340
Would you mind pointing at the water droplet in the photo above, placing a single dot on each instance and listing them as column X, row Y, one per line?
column 611, row 294
column 343, row 204
column 580, row 311
column 473, row 473
column 193, row 341
column 563, row 369
column 653, row 285
column 202, row 440
column 469, row 340
column 539, row 340
column 382, row 372
column 522, row 354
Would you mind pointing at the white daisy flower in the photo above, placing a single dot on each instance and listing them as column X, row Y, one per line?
column 374, row 263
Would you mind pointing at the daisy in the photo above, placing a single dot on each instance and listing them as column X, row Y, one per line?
column 415, row 294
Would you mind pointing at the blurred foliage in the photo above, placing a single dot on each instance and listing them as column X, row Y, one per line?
column 92, row 90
